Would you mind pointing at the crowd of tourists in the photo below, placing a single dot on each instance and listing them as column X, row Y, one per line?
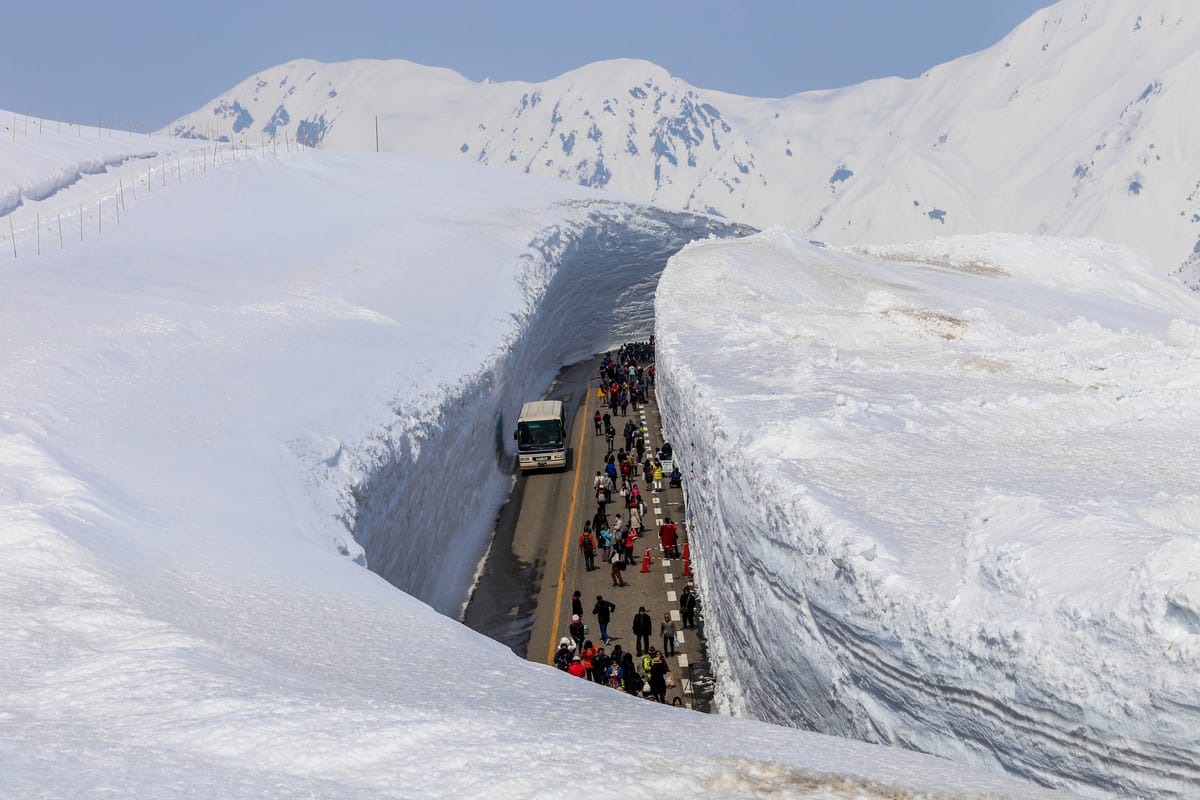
column 644, row 671
column 626, row 379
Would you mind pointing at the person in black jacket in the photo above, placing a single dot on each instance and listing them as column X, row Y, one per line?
column 603, row 611
column 643, row 626
column 687, row 607
column 577, row 632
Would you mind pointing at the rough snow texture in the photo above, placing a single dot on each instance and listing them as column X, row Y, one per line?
column 199, row 403
column 1079, row 123
column 944, row 496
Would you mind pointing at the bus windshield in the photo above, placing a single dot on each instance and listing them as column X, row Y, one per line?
column 539, row 434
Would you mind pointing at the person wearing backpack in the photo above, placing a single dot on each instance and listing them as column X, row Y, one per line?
column 588, row 545
column 603, row 611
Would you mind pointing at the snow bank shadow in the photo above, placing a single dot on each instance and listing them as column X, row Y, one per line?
column 424, row 514
column 64, row 178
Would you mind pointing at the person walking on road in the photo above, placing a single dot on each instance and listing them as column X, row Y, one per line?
column 658, row 475
column 600, row 520
column 603, row 611
column 577, row 604
column 562, row 658
column 596, row 418
column 687, row 607
column 667, row 631
column 629, row 673
column 658, row 678
column 588, row 545
column 668, row 535
column 618, row 563
column 605, row 544
column 642, row 628
column 630, row 539
column 635, row 519
column 589, row 654
column 577, row 632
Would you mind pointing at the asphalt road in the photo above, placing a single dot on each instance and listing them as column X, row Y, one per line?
column 529, row 532
column 524, row 597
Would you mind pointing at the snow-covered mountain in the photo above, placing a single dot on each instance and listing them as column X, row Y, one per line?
column 1078, row 123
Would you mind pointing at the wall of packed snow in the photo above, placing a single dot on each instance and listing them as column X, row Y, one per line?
column 423, row 514
column 946, row 504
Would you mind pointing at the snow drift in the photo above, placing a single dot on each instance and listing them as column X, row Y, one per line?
column 944, row 496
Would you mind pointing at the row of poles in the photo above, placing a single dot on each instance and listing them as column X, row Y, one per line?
column 200, row 163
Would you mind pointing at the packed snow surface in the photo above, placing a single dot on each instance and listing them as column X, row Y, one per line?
column 946, row 495
column 200, row 402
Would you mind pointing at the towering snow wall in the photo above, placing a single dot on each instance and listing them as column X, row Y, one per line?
column 424, row 515
column 948, row 504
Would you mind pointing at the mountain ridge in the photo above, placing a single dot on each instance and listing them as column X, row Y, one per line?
column 1074, row 124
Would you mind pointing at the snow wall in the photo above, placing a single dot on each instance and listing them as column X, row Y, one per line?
column 808, row 628
column 425, row 528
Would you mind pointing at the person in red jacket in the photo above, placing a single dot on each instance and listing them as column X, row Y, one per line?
column 576, row 667
column 668, row 533
column 589, row 654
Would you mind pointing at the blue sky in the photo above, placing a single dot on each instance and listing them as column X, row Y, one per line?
column 156, row 61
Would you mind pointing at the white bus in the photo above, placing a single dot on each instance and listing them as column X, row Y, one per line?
column 541, row 435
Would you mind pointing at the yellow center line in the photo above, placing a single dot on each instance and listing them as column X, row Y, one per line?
column 562, row 575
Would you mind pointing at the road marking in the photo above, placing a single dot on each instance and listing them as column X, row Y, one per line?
column 676, row 618
column 666, row 563
column 668, row 578
column 655, row 499
column 562, row 573
column 671, row 598
column 683, row 662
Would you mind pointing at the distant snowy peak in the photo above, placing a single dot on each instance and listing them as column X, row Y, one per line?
column 659, row 132
column 625, row 118
column 1078, row 123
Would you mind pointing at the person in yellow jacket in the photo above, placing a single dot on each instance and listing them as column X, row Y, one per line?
column 658, row 475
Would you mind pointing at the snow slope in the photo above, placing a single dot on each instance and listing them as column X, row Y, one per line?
column 1078, row 123
column 198, row 401
column 945, row 495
